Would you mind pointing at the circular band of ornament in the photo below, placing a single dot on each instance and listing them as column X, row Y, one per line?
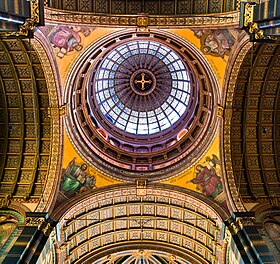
column 141, row 105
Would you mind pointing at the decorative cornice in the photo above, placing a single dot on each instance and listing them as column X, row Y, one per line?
column 34, row 221
column 30, row 23
column 60, row 16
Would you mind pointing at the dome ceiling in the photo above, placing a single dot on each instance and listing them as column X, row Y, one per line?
column 142, row 87
column 141, row 104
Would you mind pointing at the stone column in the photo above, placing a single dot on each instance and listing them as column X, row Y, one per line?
column 32, row 240
column 247, row 239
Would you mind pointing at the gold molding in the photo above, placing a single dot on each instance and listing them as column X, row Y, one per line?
column 51, row 179
column 29, row 23
column 220, row 19
column 232, row 188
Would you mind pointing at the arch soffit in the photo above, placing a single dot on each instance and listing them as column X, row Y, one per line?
column 42, row 46
column 85, row 200
column 166, row 213
column 235, row 60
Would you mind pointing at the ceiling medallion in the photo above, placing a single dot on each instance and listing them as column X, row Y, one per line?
column 143, row 82
column 141, row 105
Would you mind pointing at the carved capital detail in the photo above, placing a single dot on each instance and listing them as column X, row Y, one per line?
column 29, row 23
column 235, row 227
column 34, row 221
column 46, row 228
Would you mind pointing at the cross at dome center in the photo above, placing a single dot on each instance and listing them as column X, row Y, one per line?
column 143, row 82
column 142, row 87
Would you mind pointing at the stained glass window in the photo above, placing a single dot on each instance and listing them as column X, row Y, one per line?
column 142, row 87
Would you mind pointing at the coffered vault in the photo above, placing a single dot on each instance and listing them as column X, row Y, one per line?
column 138, row 132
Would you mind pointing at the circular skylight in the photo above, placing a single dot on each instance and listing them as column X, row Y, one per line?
column 142, row 87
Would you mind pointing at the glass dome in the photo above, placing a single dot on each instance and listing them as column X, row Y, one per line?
column 142, row 87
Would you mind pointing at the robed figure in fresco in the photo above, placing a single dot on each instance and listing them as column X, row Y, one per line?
column 75, row 179
column 207, row 178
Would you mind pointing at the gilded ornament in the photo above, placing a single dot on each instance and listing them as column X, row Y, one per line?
column 235, row 227
column 142, row 21
column 30, row 23
column 141, row 188
column 46, row 228
column 220, row 111
column 5, row 202
column 34, row 221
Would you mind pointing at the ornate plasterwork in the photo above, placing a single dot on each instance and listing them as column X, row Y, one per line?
column 133, row 20
column 163, row 158
column 54, row 112
column 231, row 188
column 30, row 23
column 119, row 215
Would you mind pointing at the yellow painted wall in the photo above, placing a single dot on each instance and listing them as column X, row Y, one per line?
column 218, row 65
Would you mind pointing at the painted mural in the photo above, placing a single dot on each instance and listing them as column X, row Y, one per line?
column 66, row 39
column 207, row 179
column 215, row 42
column 76, row 179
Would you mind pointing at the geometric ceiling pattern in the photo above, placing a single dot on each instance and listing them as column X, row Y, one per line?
column 142, row 257
column 25, row 129
column 105, row 105
column 255, row 136
column 149, row 100
column 113, row 221
column 158, row 7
